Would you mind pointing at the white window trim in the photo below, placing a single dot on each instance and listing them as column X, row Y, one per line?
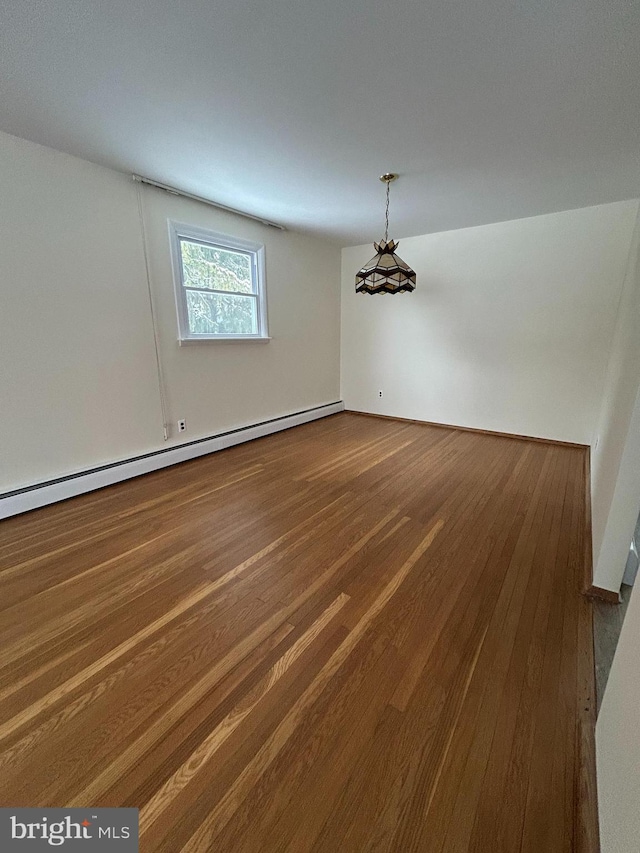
column 179, row 230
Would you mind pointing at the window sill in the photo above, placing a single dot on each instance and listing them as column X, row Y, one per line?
column 223, row 340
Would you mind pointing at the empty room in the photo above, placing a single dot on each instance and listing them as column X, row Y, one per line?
column 320, row 434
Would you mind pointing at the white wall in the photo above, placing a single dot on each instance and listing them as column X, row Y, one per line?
column 622, row 513
column 617, row 742
column 509, row 329
column 615, row 461
column 78, row 382
column 219, row 386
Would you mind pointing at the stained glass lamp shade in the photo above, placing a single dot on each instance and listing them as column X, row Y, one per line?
column 386, row 272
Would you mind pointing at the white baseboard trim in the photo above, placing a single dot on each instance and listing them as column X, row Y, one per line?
column 42, row 494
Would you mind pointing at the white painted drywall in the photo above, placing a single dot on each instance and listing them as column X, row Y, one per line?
column 223, row 385
column 622, row 514
column 78, row 383
column 615, row 461
column 509, row 329
column 617, row 742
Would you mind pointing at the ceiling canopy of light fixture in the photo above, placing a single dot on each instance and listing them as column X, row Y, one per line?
column 386, row 272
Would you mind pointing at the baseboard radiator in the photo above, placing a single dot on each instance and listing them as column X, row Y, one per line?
column 52, row 491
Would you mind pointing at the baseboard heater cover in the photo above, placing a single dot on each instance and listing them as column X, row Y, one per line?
column 52, row 491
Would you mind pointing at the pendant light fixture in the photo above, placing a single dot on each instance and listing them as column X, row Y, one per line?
column 386, row 272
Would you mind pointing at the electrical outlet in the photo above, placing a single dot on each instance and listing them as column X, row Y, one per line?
column 379, row 393
column 182, row 426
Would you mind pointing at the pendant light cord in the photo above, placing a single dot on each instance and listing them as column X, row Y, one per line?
column 386, row 218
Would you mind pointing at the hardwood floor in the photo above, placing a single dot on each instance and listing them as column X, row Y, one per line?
column 356, row 635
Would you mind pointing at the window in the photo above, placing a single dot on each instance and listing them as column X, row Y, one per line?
column 220, row 286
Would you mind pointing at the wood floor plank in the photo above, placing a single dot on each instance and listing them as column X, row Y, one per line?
column 356, row 635
column 208, row 748
column 479, row 729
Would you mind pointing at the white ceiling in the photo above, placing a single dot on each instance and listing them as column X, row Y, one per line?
column 290, row 109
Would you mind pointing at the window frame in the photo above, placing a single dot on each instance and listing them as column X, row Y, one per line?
column 182, row 231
